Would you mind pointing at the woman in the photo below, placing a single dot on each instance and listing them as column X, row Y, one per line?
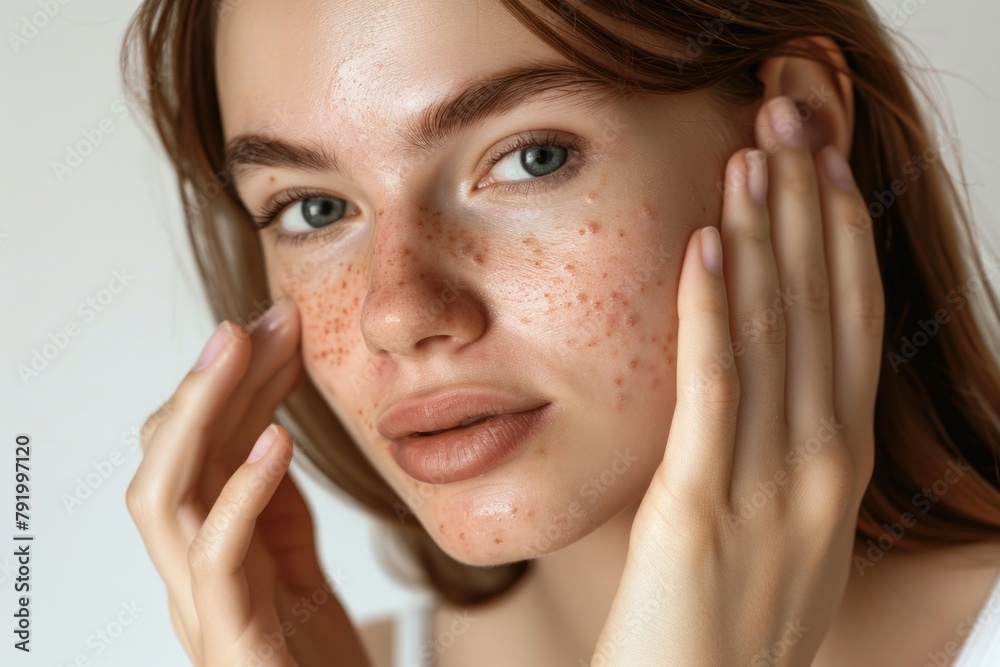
column 591, row 303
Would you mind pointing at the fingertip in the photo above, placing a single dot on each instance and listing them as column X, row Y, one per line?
column 835, row 167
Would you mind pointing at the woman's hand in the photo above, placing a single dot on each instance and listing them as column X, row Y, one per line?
column 231, row 537
column 740, row 549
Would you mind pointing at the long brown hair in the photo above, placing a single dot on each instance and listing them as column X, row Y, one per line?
column 936, row 477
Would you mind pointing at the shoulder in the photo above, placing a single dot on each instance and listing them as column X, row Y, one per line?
column 378, row 636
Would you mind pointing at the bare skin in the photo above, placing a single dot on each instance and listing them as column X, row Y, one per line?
column 540, row 279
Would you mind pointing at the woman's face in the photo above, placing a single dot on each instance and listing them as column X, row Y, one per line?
column 550, row 276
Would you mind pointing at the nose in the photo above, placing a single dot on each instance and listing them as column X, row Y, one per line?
column 420, row 298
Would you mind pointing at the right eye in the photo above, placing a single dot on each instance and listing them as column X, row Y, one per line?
column 309, row 214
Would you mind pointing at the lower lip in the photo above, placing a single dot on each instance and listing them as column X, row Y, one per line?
column 459, row 454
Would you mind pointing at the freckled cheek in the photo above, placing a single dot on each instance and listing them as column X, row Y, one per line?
column 615, row 306
column 333, row 350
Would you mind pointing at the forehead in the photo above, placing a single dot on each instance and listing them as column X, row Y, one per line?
column 346, row 65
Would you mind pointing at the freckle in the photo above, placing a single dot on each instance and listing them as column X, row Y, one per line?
column 513, row 510
column 621, row 232
column 531, row 513
column 272, row 179
column 526, row 320
column 582, row 231
column 441, row 528
column 407, row 251
column 497, row 540
column 529, row 240
column 594, row 227
column 477, row 258
column 343, row 285
column 537, row 251
column 618, row 382
column 400, row 283
column 658, row 282
column 633, row 363
column 604, row 275
column 592, row 194
column 537, row 263
column 462, row 536
column 569, row 267
column 570, row 341
column 581, row 297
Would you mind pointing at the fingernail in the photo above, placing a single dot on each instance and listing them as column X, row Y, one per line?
column 756, row 166
column 274, row 316
column 263, row 443
column 836, row 167
column 213, row 346
column 785, row 121
column 711, row 250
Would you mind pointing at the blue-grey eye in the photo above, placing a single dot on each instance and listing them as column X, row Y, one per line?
column 543, row 160
column 309, row 214
column 322, row 211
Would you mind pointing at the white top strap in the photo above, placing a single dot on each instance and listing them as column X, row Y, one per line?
column 413, row 630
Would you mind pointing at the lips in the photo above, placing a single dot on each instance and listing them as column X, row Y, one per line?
column 449, row 409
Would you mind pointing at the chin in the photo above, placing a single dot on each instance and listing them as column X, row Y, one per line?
column 487, row 527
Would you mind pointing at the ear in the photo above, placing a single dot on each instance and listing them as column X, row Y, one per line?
column 825, row 97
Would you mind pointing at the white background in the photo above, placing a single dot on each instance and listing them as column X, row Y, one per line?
column 61, row 241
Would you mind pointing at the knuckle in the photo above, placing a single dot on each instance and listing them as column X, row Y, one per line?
column 814, row 291
column 799, row 181
column 869, row 310
column 831, row 478
column 141, row 505
column 716, row 388
column 200, row 557
column 764, row 328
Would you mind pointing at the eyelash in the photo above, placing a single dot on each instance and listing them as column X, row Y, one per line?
column 575, row 146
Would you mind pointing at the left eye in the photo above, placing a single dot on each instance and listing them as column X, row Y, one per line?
column 309, row 214
column 535, row 161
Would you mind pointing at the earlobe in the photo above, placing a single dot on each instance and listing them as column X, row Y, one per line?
column 825, row 96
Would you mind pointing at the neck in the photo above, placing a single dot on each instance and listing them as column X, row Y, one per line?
column 577, row 583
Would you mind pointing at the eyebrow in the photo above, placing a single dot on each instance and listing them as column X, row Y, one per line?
column 493, row 95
